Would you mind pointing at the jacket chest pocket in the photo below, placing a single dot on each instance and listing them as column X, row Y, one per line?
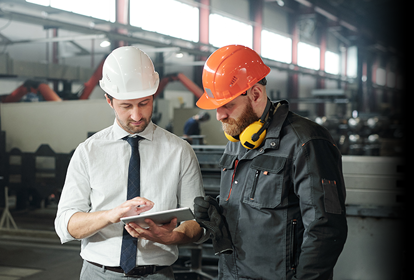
column 264, row 183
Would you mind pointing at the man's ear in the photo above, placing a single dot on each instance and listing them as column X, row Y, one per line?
column 256, row 93
column 109, row 101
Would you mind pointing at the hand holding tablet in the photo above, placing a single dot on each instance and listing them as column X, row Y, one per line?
column 162, row 217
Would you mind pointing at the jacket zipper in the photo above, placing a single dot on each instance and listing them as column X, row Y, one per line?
column 293, row 244
column 232, row 178
column 256, row 178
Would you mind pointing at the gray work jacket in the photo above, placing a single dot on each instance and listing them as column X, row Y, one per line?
column 284, row 203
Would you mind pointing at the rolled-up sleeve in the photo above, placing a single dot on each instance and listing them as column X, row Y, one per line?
column 191, row 182
column 75, row 194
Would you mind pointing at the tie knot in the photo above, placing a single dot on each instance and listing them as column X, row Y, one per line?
column 133, row 141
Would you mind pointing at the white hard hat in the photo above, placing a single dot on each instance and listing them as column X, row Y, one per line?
column 128, row 73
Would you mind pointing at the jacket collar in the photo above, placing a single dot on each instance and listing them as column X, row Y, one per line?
column 278, row 119
column 272, row 139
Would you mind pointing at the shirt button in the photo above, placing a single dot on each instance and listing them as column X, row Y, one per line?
column 273, row 144
column 236, row 182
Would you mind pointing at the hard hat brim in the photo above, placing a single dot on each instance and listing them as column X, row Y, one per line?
column 208, row 103
column 132, row 94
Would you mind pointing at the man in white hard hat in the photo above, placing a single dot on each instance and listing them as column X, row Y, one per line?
column 96, row 194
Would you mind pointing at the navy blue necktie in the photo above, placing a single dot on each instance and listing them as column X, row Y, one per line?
column 129, row 243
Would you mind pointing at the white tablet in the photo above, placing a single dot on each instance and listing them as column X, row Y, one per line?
column 162, row 217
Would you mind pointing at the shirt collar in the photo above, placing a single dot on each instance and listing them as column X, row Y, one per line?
column 120, row 133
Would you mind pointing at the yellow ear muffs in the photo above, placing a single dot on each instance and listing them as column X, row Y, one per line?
column 253, row 135
column 248, row 138
column 232, row 138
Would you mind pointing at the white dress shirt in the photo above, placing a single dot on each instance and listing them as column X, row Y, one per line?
column 97, row 180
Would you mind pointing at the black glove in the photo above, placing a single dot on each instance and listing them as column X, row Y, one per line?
column 208, row 214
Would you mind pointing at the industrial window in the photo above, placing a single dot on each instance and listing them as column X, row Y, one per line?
column 332, row 63
column 308, row 56
column 101, row 9
column 352, row 62
column 171, row 18
column 276, row 47
column 224, row 31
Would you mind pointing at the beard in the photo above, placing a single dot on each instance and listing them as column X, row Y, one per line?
column 132, row 129
column 234, row 127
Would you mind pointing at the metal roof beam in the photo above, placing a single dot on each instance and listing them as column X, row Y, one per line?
column 130, row 38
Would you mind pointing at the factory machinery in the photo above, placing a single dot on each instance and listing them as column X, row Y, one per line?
column 368, row 135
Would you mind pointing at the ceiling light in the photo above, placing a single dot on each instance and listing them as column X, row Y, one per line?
column 105, row 44
column 179, row 55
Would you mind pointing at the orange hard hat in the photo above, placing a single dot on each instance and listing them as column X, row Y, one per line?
column 228, row 73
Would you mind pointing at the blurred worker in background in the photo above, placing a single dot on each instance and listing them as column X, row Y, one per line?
column 192, row 125
column 97, row 194
column 281, row 211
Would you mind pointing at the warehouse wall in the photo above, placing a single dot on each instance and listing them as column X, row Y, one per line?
column 62, row 125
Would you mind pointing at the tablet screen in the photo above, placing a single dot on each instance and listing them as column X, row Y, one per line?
column 162, row 217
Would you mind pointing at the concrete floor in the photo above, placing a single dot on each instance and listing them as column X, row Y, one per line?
column 374, row 250
column 29, row 259
column 34, row 252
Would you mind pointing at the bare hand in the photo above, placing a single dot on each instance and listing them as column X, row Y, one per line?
column 130, row 207
column 163, row 234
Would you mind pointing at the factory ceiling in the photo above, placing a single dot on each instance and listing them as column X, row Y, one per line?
column 375, row 25
column 378, row 21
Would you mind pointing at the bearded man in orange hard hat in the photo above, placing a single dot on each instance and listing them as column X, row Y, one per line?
column 123, row 170
column 281, row 209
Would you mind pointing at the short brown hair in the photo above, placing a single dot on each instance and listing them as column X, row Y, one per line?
column 263, row 81
column 110, row 97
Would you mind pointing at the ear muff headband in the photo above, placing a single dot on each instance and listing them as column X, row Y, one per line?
column 232, row 138
column 263, row 127
column 253, row 135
